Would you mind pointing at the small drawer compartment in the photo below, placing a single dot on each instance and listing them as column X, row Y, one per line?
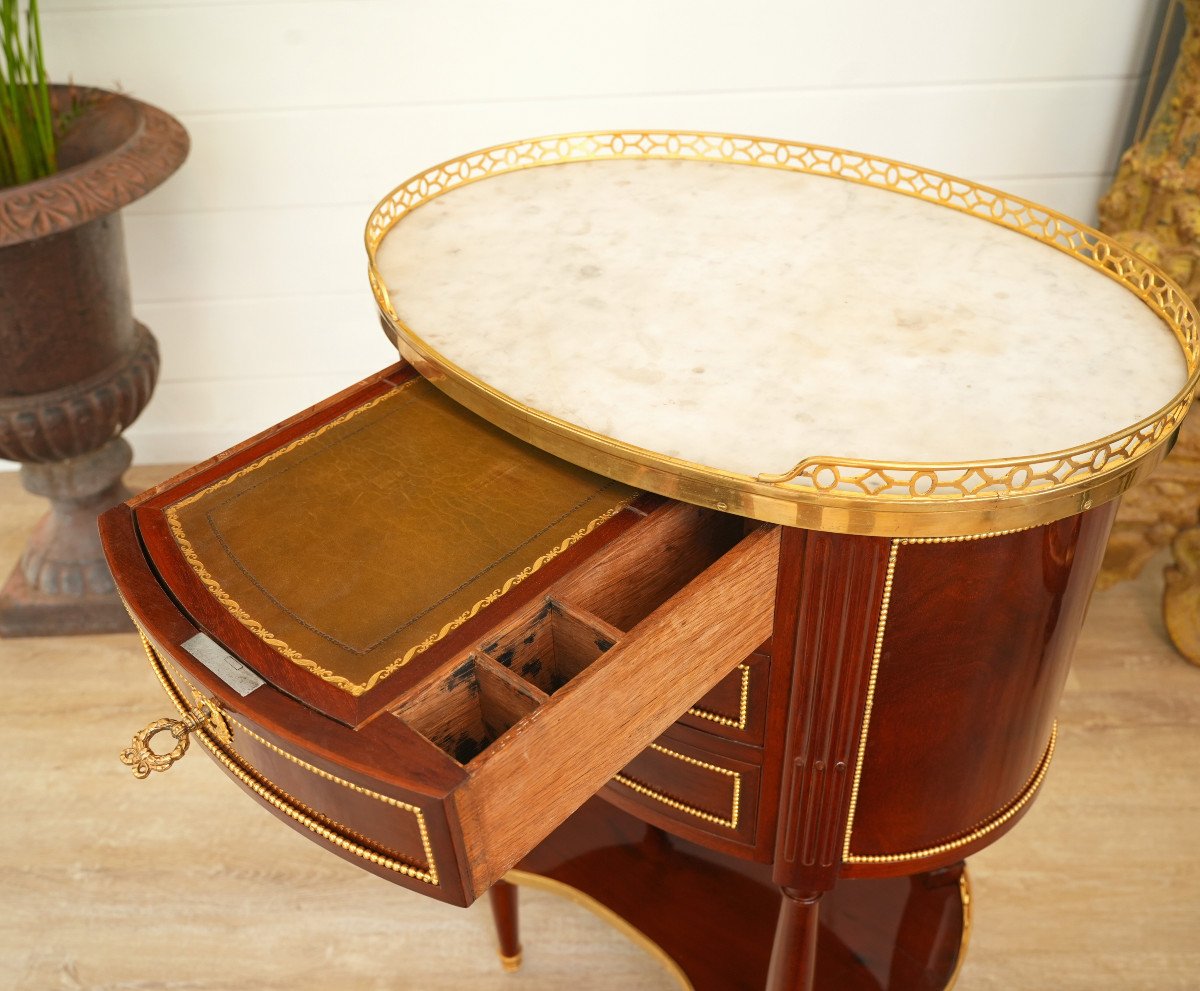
column 466, row 711
column 736, row 709
column 541, row 651
column 558, row 694
column 551, row 645
column 677, row 784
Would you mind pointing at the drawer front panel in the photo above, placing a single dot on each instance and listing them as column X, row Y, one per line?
column 736, row 708
column 679, row 783
column 383, row 830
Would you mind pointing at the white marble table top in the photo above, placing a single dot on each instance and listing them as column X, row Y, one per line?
column 746, row 318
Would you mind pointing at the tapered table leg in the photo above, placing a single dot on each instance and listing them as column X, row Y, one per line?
column 794, row 953
column 503, row 897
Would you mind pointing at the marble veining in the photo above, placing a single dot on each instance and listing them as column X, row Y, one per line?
column 746, row 318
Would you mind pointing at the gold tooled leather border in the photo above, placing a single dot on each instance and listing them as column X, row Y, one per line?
column 244, row 617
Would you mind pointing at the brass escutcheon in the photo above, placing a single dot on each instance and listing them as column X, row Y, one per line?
column 143, row 758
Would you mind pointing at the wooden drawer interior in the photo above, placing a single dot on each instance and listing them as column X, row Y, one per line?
column 468, row 710
column 561, row 691
column 634, row 577
column 552, row 645
column 471, row 703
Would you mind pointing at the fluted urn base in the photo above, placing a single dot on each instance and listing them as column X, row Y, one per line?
column 62, row 585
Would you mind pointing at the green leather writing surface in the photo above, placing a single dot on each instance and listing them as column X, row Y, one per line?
column 356, row 546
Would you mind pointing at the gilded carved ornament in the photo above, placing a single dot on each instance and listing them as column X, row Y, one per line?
column 1153, row 207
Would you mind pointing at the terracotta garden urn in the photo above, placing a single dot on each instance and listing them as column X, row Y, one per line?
column 75, row 367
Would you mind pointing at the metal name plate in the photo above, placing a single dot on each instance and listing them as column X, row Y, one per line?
column 223, row 664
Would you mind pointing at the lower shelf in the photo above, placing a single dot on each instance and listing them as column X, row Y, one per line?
column 710, row 919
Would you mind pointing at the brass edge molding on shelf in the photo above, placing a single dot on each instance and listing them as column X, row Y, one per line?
column 964, row 897
column 743, row 705
column 824, row 492
column 604, row 914
column 277, row 798
column 243, row 616
column 730, row 821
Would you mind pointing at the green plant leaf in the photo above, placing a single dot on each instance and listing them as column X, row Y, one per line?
column 28, row 144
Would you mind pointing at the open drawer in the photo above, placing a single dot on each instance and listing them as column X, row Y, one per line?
column 420, row 641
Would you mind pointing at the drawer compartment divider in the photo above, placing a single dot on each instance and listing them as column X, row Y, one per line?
column 529, row 781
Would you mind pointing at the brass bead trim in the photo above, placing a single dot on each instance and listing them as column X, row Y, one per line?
column 998, row 820
column 431, row 873
column 730, row 821
column 282, row 647
column 964, row 537
column 877, row 653
column 291, row 807
column 743, row 705
column 824, row 492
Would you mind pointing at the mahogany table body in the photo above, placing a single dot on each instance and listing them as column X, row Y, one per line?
column 894, row 715
column 754, row 487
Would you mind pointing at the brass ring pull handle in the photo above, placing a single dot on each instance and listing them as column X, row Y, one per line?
column 141, row 755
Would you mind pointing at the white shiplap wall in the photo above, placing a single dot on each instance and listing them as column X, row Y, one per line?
column 248, row 265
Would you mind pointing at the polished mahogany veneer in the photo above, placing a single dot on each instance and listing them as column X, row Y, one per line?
column 714, row 917
column 767, row 713
column 973, row 657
